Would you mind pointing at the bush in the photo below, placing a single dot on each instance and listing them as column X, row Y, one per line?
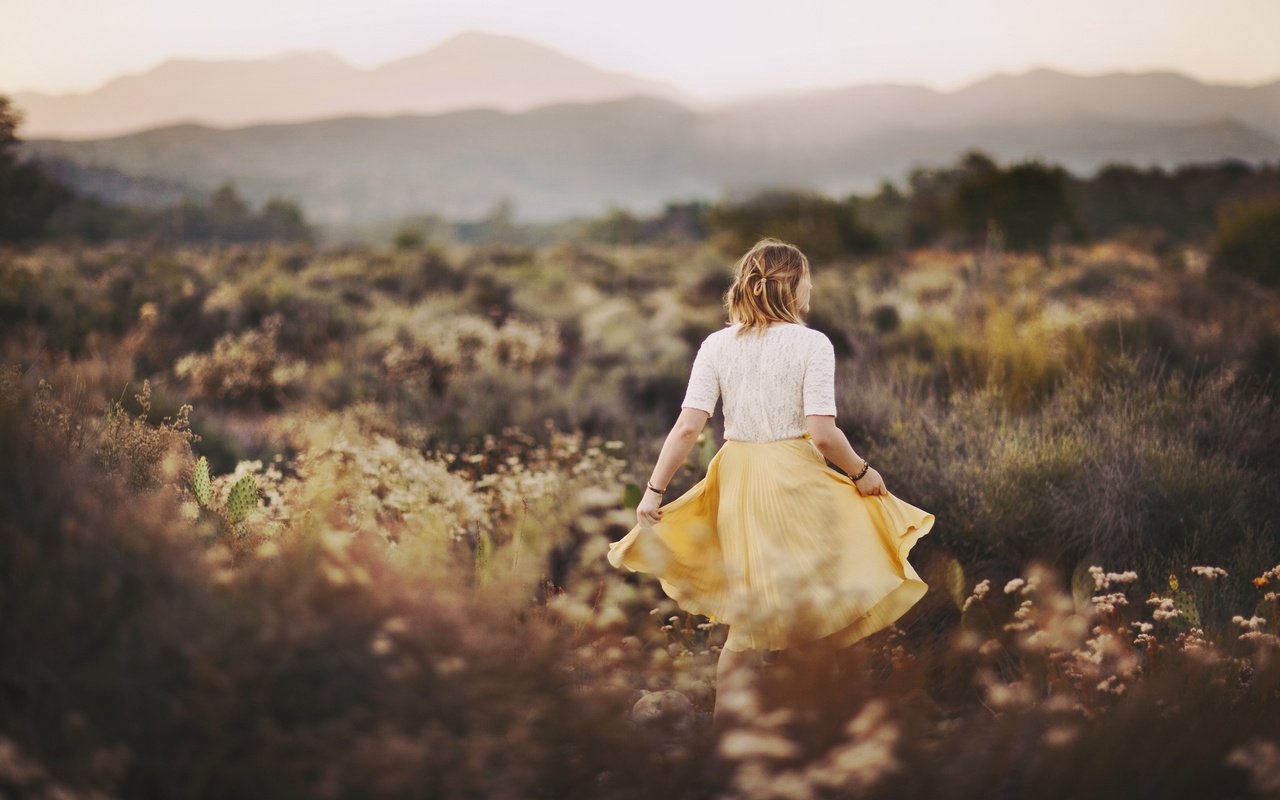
column 243, row 368
column 1247, row 241
column 137, row 661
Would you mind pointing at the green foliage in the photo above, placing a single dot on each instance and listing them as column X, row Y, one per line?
column 408, row 239
column 1184, row 602
column 227, row 217
column 1181, row 205
column 824, row 228
column 37, row 202
column 200, row 482
column 242, row 498
column 885, row 318
column 1247, row 241
column 29, row 196
column 1027, row 202
column 1032, row 205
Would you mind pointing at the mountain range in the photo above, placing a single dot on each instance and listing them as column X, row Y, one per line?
column 472, row 69
column 483, row 116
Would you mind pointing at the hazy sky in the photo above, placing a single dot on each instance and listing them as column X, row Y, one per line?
column 710, row 48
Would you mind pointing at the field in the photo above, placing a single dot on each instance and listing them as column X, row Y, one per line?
column 285, row 521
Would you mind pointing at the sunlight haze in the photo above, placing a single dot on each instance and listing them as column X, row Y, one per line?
column 712, row 50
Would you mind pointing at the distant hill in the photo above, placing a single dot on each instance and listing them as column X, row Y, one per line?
column 1038, row 97
column 567, row 159
column 469, row 70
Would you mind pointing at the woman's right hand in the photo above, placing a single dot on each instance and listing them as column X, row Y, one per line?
column 871, row 483
column 648, row 513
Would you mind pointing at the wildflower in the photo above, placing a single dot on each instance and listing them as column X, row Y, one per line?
column 450, row 665
column 1210, row 572
column 1022, row 618
column 745, row 744
column 1060, row 735
column 1265, row 638
column 855, row 765
column 1040, row 640
column 1192, row 640
column 1261, row 757
column 381, row 645
column 1145, row 640
column 1106, row 603
column 1164, row 607
column 979, row 592
column 1253, row 623
column 1103, row 579
column 1013, row 585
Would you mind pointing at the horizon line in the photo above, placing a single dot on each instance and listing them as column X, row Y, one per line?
column 723, row 97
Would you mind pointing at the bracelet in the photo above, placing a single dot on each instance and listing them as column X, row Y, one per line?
column 866, row 465
column 658, row 492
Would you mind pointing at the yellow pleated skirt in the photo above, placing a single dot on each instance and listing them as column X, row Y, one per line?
column 782, row 548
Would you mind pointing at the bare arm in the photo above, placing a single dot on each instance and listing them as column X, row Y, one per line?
column 835, row 447
column 675, row 450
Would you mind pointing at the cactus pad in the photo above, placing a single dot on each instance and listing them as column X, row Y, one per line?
column 200, row 482
column 243, row 496
column 1185, row 603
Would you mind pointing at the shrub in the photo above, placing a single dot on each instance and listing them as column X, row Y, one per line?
column 1247, row 241
column 245, row 367
column 137, row 660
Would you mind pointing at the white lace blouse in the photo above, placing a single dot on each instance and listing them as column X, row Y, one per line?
column 768, row 380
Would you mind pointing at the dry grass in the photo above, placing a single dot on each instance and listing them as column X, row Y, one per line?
column 419, row 602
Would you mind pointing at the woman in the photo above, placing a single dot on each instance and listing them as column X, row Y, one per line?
column 772, row 540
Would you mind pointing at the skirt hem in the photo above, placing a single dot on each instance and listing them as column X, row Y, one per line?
column 884, row 612
column 684, row 554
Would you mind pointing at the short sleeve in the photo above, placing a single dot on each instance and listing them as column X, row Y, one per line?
column 704, row 385
column 820, row 379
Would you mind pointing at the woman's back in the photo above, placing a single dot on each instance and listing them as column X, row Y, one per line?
column 772, row 540
column 768, row 380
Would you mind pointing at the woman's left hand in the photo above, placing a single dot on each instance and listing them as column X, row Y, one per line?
column 647, row 513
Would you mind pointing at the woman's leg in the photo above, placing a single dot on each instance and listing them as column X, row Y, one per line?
column 735, row 672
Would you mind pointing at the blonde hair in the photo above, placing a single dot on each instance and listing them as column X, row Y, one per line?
column 764, row 285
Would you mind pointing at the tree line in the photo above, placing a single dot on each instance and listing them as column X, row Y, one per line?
column 1230, row 206
column 975, row 203
column 36, row 205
